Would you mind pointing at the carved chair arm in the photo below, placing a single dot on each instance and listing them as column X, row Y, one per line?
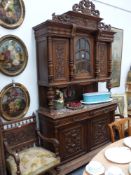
column 15, row 155
column 55, row 142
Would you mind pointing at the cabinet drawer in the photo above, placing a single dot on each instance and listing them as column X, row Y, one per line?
column 102, row 111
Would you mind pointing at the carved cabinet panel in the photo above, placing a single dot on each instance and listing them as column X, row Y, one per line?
column 99, row 130
column 73, row 140
column 60, row 56
column 103, row 59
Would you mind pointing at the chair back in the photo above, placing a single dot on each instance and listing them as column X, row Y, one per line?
column 122, row 125
column 20, row 134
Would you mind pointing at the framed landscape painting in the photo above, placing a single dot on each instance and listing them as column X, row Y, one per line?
column 116, row 57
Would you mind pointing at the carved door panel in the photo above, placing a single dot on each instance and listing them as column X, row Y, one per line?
column 83, row 57
column 61, row 59
column 72, row 141
column 99, row 130
column 102, row 56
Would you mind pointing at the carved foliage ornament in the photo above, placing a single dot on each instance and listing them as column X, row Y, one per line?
column 61, row 18
column 102, row 26
column 86, row 7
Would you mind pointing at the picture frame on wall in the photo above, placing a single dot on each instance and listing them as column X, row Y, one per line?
column 12, row 13
column 13, row 55
column 117, row 46
column 14, row 101
column 121, row 100
column 128, row 94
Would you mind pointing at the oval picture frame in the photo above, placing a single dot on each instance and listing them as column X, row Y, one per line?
column 12, row 13
column 13, row 55
column 14, row 101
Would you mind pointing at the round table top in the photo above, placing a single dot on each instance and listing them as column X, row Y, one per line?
column 106, row 163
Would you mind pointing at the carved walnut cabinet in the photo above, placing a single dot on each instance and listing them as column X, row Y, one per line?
column 73, row 55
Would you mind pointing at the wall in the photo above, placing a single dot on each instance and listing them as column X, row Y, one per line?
column 39, row 11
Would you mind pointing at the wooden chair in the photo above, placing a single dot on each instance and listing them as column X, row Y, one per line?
column 24, row 153
column 118, row 116
column 122, row 125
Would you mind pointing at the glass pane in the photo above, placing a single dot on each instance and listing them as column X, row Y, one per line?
column 77, row 55
column 87, row 47
column 82, row 56
column 82, row 43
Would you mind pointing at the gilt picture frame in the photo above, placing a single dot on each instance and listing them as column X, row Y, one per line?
column 121, row 100
column 14, row 101
column 117, row 46
column 13, row 55
column 128, row 95
column 12, row 13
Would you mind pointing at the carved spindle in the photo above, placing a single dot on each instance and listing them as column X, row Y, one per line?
column 110, row 62
column 97, row 71
column 109, row 85
column 71, row 61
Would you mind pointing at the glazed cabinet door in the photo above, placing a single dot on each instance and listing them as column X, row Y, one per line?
column 60, row 54
column 72, row 141
column 83, row 57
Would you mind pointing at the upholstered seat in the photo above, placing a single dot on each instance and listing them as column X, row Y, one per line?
column 25, row 152
column 33, row 161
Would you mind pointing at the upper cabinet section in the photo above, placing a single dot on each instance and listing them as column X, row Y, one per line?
column 74, row 47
